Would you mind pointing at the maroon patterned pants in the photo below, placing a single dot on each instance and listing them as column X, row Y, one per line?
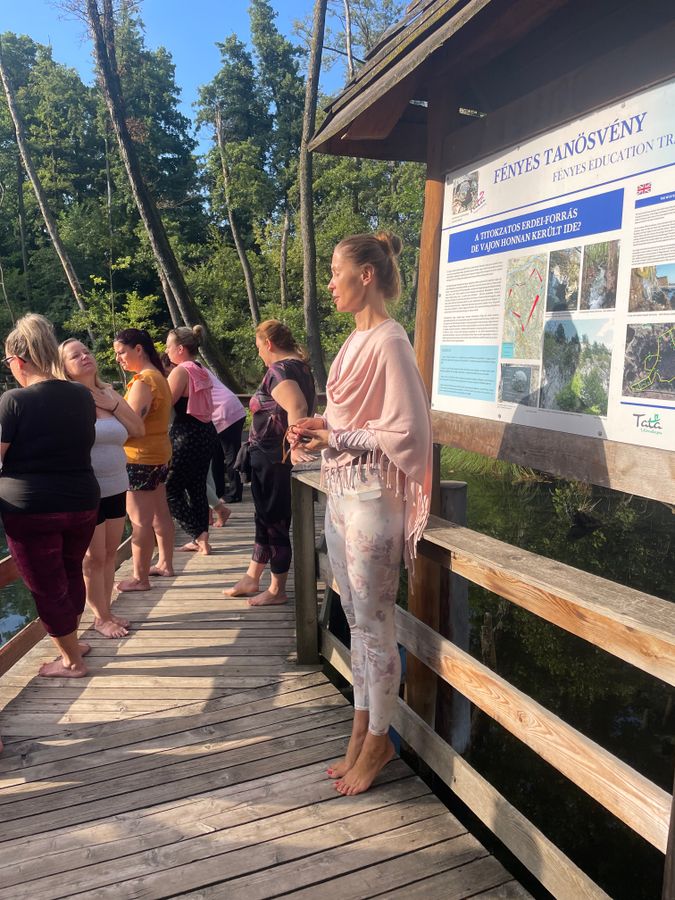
column 48, row 549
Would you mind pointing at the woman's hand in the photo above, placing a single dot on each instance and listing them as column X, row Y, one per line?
column 309, row 434
column 105, row 398
column 300, row 455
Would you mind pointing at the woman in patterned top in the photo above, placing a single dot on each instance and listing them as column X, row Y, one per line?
column 285, row 395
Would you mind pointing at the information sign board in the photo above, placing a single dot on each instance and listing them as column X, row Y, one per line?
column 556, row 304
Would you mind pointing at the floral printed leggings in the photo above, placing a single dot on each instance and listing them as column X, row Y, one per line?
column 364, row 534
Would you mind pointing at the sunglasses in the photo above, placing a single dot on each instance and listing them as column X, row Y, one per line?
column 8, row 360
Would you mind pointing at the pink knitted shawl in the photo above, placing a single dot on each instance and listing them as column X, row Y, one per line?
column 381, row 389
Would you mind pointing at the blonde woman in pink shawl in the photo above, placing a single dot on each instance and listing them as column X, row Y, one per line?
column 193, row 438
column 376, row 443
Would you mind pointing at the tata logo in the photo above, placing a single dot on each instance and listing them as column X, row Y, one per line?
column 648, row 424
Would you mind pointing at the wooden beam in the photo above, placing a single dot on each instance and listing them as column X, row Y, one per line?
column 383, row 75
column 424, row 582
column 408, row 142
column 634, row 626
column 453, row 711
column 630, row 624
column 636, row 66
column 538, row 854
column 306, row 612
column 627, row 794
column 370, row 77
column 556, row 872
column 669, row 868
column 644, row 471
column 19, row 645
column 378, row 122
column 477, row 44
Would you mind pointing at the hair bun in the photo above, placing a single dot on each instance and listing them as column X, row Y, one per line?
column 392, row 242
column 198, row 331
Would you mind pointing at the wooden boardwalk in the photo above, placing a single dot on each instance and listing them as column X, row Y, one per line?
column 192, row 763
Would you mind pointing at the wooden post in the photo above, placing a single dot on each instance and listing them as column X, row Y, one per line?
column 668, row 892
column 424, row 586
column 304, row 562
column 453, row 710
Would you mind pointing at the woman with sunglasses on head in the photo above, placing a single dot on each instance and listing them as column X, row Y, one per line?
column 149, row 396
column 285, row 395
column 376, row 442
column 115, row 423
column 48, row 492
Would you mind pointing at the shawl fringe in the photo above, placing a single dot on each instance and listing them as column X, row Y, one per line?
column 337, row 478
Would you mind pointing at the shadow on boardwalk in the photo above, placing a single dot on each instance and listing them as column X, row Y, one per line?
column 192, row 762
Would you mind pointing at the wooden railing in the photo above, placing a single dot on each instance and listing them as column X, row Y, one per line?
column 631, row 625
column 17, row 646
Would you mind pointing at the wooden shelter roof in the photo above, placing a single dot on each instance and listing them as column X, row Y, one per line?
column 484, row 53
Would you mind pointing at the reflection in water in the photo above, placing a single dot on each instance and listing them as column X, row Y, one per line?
column 16, row 604
column 628, row 540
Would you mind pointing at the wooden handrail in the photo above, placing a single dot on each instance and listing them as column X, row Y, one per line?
column 552, row 867
column 17, row 646
column 632, row 625
column 629, row 624
column 627, row 794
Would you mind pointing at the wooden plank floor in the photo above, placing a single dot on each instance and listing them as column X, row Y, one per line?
column 192, row 763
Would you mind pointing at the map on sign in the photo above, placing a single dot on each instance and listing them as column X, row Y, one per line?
column 524, row 307
column 649, row 367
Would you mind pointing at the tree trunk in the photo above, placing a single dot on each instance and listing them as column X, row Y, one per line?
column 108, row 200
column 283, row 256
column 311, row 307
column 348, row 40
column 102, row 30
column 174, row 312
column 49, row 221
column 22, row 227
column 234, row 228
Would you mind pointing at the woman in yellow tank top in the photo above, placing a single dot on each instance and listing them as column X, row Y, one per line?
column 148, row 457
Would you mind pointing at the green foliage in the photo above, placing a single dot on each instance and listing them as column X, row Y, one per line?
column 259, row 94
column 107, row 315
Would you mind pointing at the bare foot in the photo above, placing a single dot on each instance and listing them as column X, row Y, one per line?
column 56, row 669
column 340, row 768
column 132, row 584
column 161, row 571
column 376, row 752
column 220, row 515
column 125, row 623
column 190, row 547
column 203, row 547
column 110, row 628
column 267, row 598
column 84, row 648
column 245, row 587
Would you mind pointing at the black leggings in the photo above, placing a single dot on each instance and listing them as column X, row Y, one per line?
column 271, row 489
column 223, row 462
column 192, row 444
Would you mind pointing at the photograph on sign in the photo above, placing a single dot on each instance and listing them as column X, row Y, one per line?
column 556, row 298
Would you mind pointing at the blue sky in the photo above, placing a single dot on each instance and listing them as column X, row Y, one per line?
column 187, row 28
column 666, row 271
column 596, row 330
